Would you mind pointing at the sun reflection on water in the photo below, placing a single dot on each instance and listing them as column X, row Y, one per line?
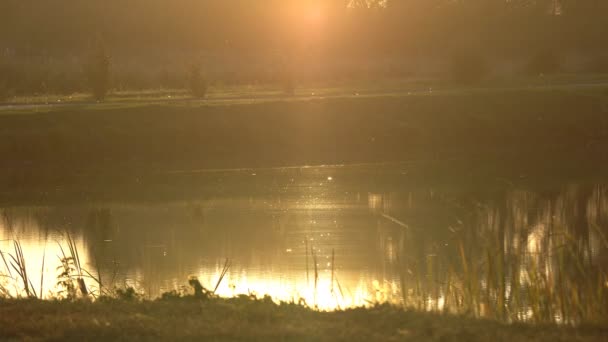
column 348, row 289
column 42, row 262
column 384, row 244
column 326, row 296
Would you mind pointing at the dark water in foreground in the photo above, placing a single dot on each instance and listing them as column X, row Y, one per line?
column 509, row 248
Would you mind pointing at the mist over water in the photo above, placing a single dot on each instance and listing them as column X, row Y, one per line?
column 377, row 233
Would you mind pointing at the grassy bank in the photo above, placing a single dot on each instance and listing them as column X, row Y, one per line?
column 503, row 128
column 247, row 319
column 218, row 94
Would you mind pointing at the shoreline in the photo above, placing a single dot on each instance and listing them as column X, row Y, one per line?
column 504, row 134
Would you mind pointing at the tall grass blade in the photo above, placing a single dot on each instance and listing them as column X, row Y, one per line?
column 314, row 261
column 18, row 263
column 227, row 265
column 306, row 249
column 42, row 272
column 333, row 259
column 6, row 264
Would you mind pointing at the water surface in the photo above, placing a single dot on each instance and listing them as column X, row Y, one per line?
column 330, row 237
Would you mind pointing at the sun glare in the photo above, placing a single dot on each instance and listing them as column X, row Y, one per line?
column 310, row 19
column 355, row 292
column 314, row 15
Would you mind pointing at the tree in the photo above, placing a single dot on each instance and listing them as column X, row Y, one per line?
column 98, row 72
column 196, row 82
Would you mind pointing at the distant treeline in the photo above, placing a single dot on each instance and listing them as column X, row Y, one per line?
column 357, row 25
column 274, row 31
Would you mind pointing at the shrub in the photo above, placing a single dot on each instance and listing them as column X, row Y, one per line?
column 8, row 76
column 127, row 294
column 545, row 61
column 289, row 86
column 171, row 295
column 598, row 63
column 196, row 82
column 5, row 92
column 468, row 68
column 98, row 73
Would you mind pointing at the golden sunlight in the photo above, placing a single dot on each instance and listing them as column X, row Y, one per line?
column 374, row 170
column 314, row 15
column 353, row 291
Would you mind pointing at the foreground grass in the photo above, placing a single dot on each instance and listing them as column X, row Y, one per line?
column 246, row 319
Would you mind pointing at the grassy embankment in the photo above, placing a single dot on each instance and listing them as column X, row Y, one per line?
column 500, row 127
column 247, row 319
column 270, row 92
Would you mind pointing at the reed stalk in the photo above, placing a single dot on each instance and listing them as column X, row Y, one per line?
column 314, row 260
column 42, row 273
column 227, row 265
column 306, row 251
column 18, row 264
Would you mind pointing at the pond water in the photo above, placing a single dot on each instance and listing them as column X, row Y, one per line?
column 333, row 237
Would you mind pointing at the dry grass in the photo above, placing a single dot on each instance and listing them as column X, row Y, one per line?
column 252, row 320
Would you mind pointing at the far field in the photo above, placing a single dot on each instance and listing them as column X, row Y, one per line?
column 505, row 130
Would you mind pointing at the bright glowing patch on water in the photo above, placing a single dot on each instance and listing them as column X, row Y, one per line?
column 326, row 296
column 42, row 263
